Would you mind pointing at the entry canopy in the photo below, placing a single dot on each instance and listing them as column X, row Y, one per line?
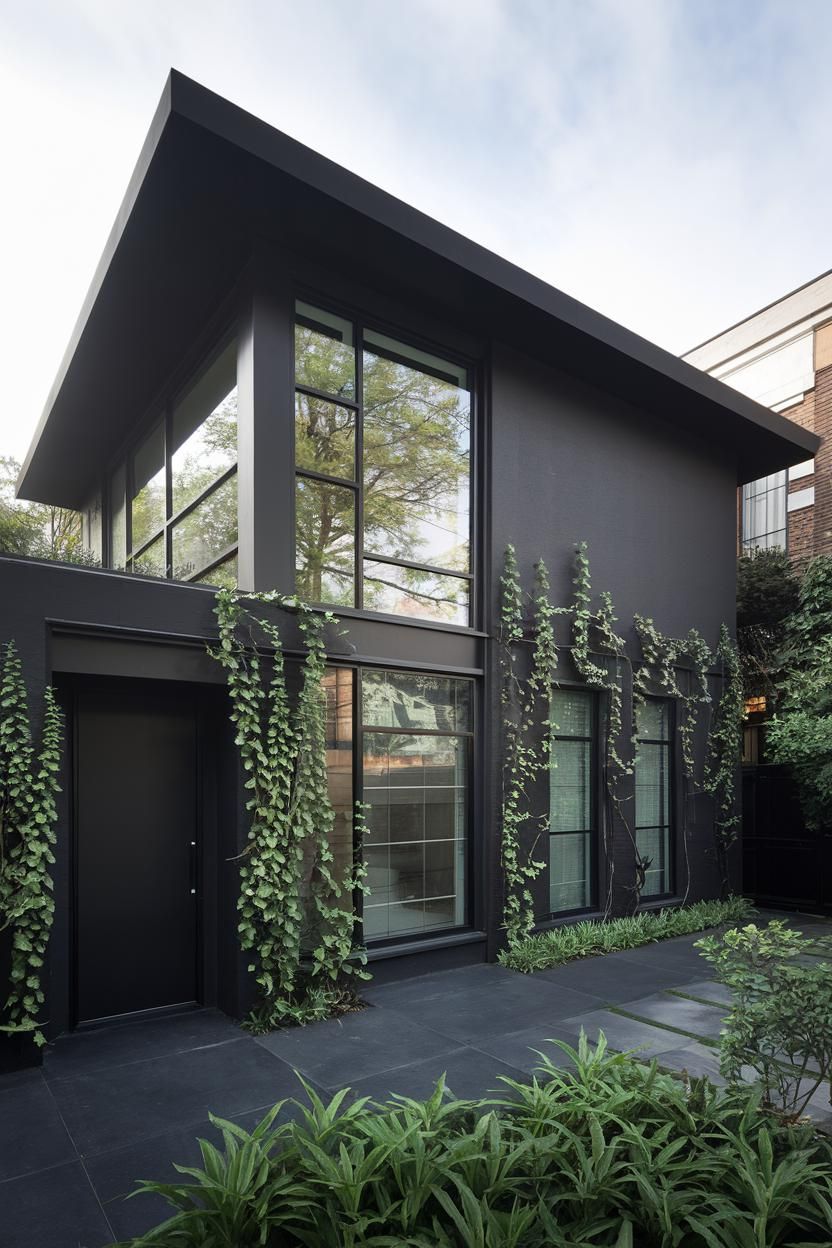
column 213, row 183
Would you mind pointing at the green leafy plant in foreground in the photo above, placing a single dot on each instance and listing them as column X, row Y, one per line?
column 596, row 1150
column 780, row 1024
column 591, row 938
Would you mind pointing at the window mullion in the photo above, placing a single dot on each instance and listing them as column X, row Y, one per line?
column 359, row 467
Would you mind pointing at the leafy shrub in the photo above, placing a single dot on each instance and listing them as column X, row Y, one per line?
column 590, row 938
column 606, row 1151
column 781, row 1017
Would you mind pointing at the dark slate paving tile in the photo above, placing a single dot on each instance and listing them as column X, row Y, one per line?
column 613, row 982
column 339, row 1051
column 483, row 975
column 115, row 1174
column 122, row 1104
column 15, row 1078
column 684, row 1015
column 470, row 1074
column 686, row 963
column 32, row 1135
column 470, row 1013
column 517, row 1048
column 53, row 1209
column 85, row 1051
column 699, row 1060
column 709, row 990
column 625, row 1033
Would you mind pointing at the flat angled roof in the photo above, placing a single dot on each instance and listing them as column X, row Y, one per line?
column 211, row 183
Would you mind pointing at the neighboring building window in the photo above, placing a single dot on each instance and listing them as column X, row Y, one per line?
column 653, row 812
column 173, row 505
column 764, row 513
column 416, row 761
column 571, row 803
column 382, row 453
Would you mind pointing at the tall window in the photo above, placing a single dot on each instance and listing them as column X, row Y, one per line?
column 654, row 770
column 382, row 453
column 764, row 513
column 571, row 804
column 416, row 760
column 173, row 504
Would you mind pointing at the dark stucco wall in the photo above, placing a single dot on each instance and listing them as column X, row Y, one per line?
column 570, row 462
column 657, row 508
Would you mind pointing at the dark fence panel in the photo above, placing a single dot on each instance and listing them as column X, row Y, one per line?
column 784, row 862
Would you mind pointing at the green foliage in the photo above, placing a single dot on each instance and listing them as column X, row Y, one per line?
column 527, row 736
column 36, row 530
column 28, row 814
column 767, row 589
column 589, row 938
column 723, row 753
column 800, row 734
column 296, row 917
column 780, row 1024
column 604, row 1153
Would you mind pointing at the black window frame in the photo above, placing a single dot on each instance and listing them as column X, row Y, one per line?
column 670, row 744
column 362, row 322
column 595, row 805
column 759, row 541
column 162, row 414
column 471, row 738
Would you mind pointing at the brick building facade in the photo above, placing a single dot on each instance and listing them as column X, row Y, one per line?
column 782, row 357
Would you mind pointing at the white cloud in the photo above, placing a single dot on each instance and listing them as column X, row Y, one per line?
column 661, row 160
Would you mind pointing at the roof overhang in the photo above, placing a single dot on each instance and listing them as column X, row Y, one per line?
column 211, row 183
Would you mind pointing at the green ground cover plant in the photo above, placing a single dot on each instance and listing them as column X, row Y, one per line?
column 604, row 1152
column 590, row 938
column 780, row 1024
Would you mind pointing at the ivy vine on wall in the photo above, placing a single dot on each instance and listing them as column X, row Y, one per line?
column 28, row 814
column 296, row 915
column 676, row 668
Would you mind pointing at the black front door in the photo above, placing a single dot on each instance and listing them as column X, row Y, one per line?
column 136, row 843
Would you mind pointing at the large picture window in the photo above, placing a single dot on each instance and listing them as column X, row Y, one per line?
column 416, row 748
column 571, row 802
column 173, row 503
column 383, row 462
column 654, row 771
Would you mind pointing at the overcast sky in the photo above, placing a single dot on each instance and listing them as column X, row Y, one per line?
column 665, row 161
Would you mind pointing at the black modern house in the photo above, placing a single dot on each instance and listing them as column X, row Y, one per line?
column 284, row 378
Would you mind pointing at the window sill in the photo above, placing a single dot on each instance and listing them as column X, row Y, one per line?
column 450, row 940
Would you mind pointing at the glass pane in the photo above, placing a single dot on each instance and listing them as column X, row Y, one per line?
column 416, row 463
column 572, row 712
column 147, row 510
column 206, row 531
column 409, row 700
column 325, row 542
column 118, row 519
column 324, row 353
column 338, row 686
column 151, row 562
column 653, row 720
column 394, row 590
column 652, row 786
column 205, row 430
column 569, row 872
column 654, row 846
column 777, row 509
column 415, row 793
column 569, row 787
column 324, row 436
column 223, row 576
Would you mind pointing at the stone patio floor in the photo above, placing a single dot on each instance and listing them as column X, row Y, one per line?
column 116, row 1105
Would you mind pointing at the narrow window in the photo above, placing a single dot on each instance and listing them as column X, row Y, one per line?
column 571, row 804
column 416, row 762
column 654, row 772
column 383, row 461
column 764, row 513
